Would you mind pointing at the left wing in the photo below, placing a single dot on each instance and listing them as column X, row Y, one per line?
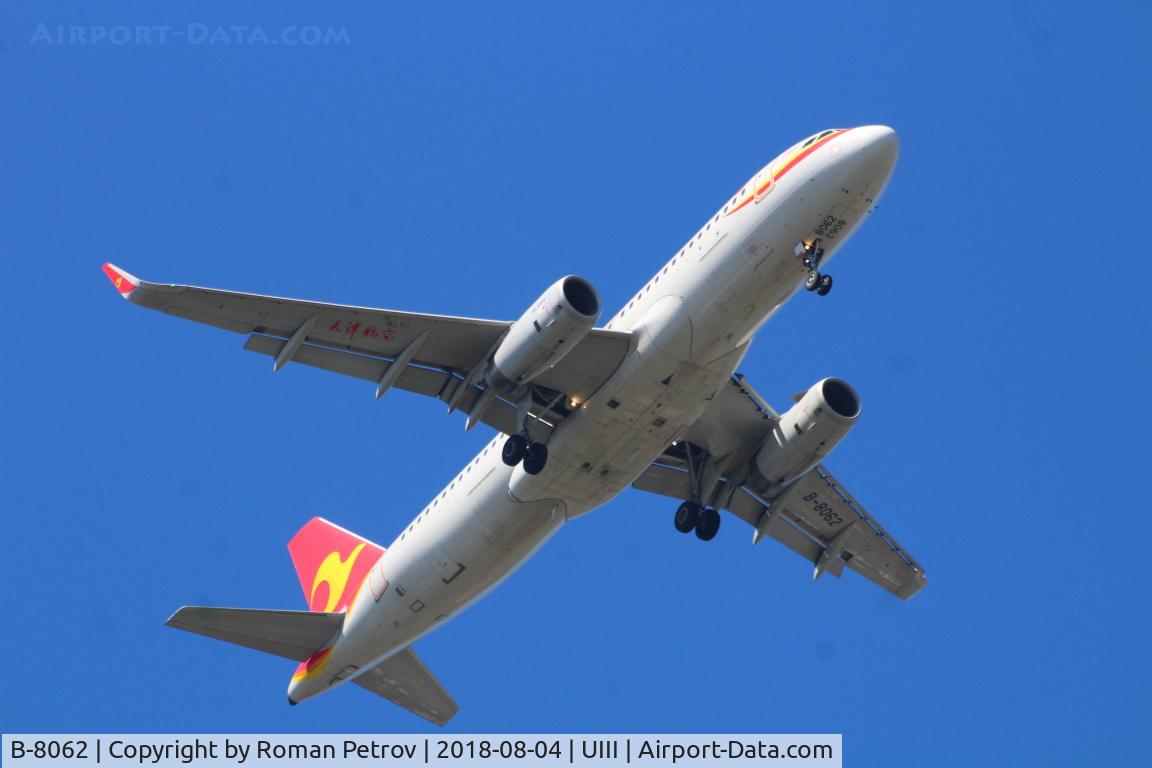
column 434, row 355
column 815, row 516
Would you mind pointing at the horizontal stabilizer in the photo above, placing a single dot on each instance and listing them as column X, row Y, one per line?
column 292, row 635
column 403, row 679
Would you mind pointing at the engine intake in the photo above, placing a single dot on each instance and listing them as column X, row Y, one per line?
column 552, row 326
column 805, row 434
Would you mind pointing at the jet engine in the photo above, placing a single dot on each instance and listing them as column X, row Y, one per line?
column 551, row 327
column 805, row 434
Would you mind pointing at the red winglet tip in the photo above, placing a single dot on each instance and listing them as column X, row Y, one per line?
column 124, row 282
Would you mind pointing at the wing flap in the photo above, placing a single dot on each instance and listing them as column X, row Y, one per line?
column 403, row 679
column 422, row 381
column 292, row 635
column 868, row 549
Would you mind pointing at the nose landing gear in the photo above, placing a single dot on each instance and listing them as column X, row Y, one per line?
column 811, row 254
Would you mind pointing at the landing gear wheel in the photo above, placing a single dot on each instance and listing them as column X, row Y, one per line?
column 536, row 459
column 708, row 526
column 687, row 516
column 515, row 449
column 824, row 285
column 812, row 282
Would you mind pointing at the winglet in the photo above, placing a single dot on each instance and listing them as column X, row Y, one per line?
column 124, row 282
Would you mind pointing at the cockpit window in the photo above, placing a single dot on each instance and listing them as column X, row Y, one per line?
column 817, row 137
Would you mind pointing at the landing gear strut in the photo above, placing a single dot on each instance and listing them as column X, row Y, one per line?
column 811, row 254
column 519, row 448
column 692, row 515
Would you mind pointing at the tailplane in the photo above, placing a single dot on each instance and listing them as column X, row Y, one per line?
column 292, row 635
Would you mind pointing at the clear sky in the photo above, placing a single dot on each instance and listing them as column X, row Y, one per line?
column 458, row 158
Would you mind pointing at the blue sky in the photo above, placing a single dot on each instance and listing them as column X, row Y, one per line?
column 458, row 158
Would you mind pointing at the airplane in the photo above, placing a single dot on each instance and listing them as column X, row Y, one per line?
column 651, row 399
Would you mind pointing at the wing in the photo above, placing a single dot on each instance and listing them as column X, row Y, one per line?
column 434, row 355
column 815, row 517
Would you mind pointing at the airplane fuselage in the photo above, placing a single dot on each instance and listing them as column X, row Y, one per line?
column 692, row 324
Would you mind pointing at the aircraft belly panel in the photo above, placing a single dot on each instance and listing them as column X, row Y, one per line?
column 476, row 539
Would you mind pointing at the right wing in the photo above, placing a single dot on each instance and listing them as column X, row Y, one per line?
column 438, row 352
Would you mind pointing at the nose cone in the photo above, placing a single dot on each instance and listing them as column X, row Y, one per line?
column 878, row 146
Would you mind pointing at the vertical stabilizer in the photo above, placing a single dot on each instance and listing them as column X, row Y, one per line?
column 332, row 563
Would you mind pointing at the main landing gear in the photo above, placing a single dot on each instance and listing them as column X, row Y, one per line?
column 519, row 448
column 811, row 254
column 692, row 515
column 704, row 479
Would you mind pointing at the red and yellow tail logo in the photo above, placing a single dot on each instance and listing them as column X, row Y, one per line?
column 332, row 563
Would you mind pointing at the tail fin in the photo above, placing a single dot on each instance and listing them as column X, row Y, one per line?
column 332, row 563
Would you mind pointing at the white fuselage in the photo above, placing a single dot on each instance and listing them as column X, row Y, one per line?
column 691, row 325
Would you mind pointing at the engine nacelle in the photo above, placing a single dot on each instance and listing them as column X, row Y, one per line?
column 551, row 327
column 805, row 434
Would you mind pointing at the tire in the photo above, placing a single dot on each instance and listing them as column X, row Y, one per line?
column 687, row 516
column 515, row 449
column 812, row 282
column 824, row 286
column 708, row 526
column 536, row 459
